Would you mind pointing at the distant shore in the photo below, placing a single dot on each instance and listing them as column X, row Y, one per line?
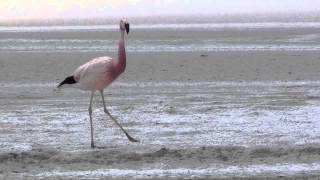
column 204, row 18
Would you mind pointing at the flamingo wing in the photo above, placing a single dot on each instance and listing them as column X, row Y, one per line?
column 94, row 74
column 93, row 67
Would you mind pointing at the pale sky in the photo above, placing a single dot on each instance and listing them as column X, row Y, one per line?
column 43, row 9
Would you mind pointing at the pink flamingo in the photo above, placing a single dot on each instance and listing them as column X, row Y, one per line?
column 98, row 73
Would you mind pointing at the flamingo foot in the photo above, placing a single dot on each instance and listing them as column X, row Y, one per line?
column 131, row 139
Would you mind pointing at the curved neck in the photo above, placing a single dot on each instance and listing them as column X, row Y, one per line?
column 121, row 53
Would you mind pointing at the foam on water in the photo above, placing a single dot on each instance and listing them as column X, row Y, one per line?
column 215, row 170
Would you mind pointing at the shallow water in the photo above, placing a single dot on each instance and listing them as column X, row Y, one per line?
column 164, row 45
column 169, row 114
column 189, row 25
column 181, row 37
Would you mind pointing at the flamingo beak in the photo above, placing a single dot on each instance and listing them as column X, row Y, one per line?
column 68, row 80
column 127, row 26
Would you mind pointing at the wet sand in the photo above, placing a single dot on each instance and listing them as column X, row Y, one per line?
column 210, row 115
column 26, row 67
column 145, row 162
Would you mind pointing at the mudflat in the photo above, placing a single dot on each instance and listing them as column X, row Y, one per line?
column 205, row 104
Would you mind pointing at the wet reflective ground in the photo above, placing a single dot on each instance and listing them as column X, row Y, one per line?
column 184, row 117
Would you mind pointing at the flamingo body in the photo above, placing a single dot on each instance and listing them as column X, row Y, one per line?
column 96, row 74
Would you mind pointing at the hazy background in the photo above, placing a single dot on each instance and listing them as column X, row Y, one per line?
column 62, row 9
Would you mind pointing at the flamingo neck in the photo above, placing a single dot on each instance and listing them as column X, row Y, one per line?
column 121, row 53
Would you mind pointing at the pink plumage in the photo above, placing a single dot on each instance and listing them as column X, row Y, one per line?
column 98, row 73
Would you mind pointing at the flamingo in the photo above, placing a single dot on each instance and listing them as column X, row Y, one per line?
column 98, row 73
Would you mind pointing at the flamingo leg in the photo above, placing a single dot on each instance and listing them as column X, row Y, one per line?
column 114, row 120
column 90, row 115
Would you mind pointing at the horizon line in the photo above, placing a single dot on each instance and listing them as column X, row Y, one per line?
column 116, row 17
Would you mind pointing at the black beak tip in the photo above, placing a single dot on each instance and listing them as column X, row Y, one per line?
column 127, row 26
column 68, row 80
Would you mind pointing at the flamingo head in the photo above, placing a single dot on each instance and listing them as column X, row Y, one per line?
column 124, row 25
